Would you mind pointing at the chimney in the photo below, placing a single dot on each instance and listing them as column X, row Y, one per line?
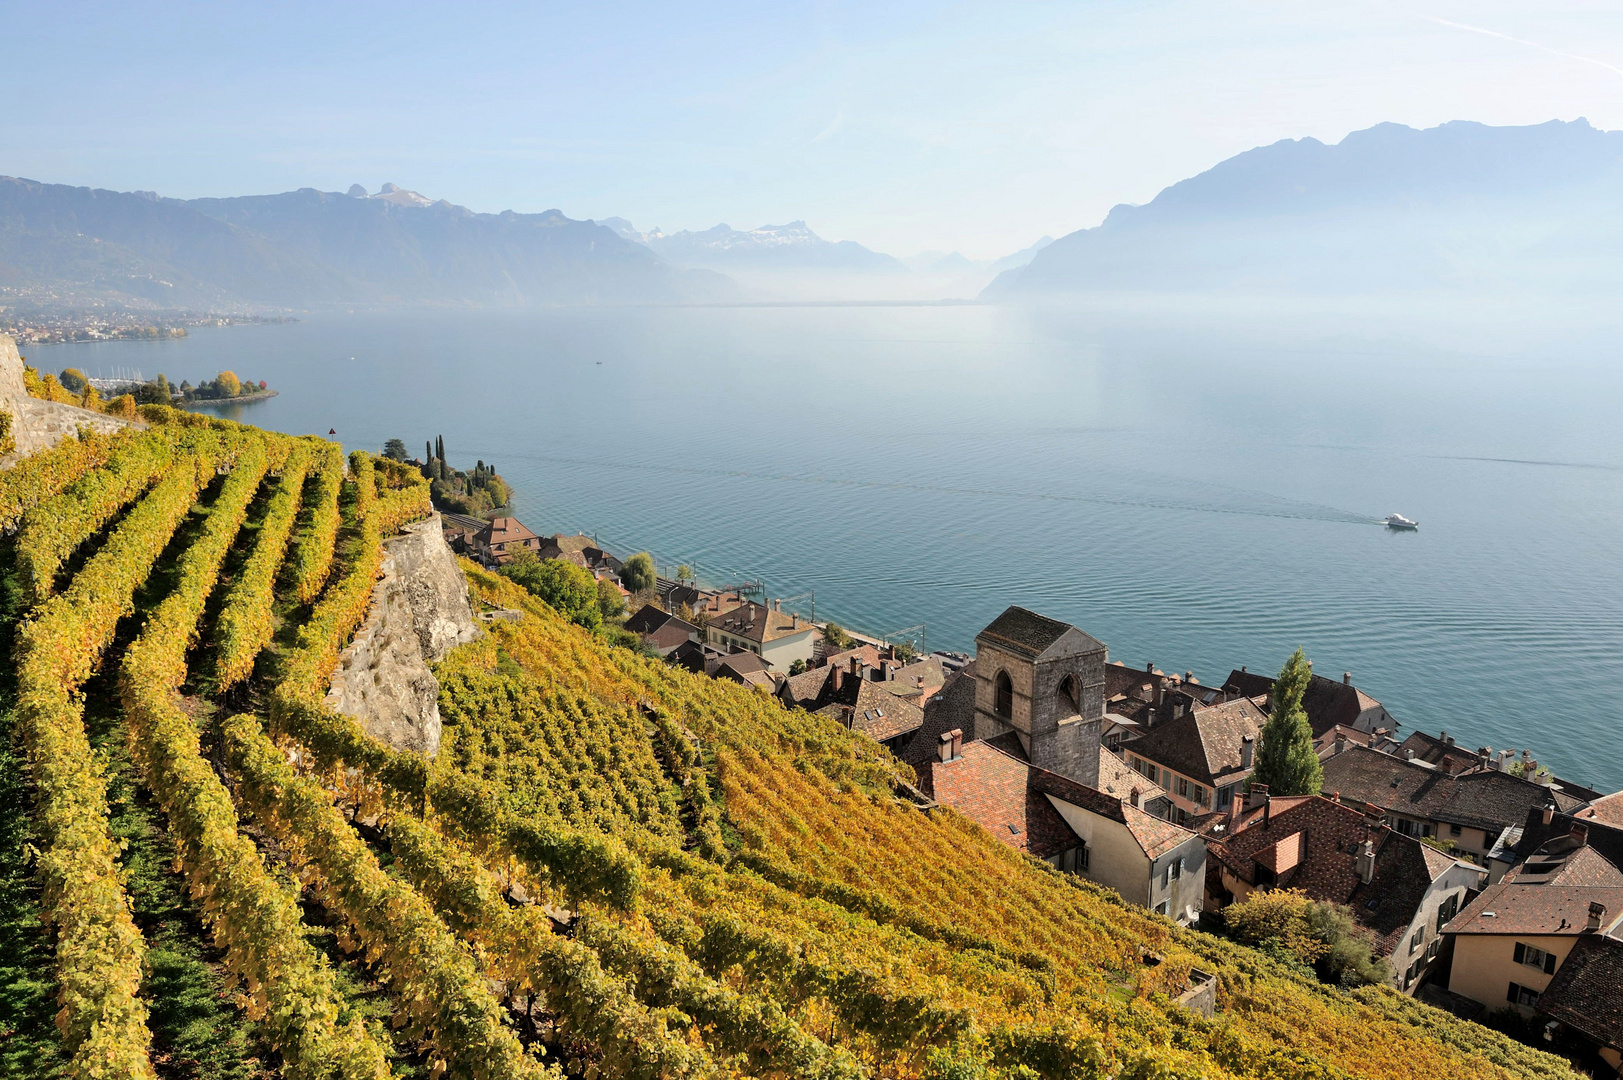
column 1155, row 687
column 1247, row 746
column 918, row 681
column 1346, row 678
column 944, row 751
column 957, row 742
column 1189, row 676
column 1408, row 755
column 1242, row 669
column 839, row 679
column 1366, row 862
column 1236, row 808
column 1597, row 915
column 850, row 715
column 1549, row 814
column 884, row 671
column 1579, row 833
column 1257, row 795
column 1341, row 743
column 1135, row 798
column 794, row 621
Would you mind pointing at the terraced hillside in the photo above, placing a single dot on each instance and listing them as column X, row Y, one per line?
column 612, row 868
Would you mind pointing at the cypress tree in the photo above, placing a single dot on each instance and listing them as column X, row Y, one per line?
column 439, row 446
column 1286, row 760
column 428, row 451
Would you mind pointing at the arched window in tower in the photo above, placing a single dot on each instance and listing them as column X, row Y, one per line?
column 1070, row 695
column 1003, row 699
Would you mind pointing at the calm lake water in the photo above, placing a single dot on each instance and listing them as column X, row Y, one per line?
column 1196, row 490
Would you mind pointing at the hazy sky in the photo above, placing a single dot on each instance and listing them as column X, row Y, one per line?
column 904, row 126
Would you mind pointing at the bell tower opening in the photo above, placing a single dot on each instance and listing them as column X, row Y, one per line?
column 1003, row 699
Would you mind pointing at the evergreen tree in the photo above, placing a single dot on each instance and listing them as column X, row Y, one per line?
column 439, row 447
column 395, row 450
column 428, row 451
column 1286, row 760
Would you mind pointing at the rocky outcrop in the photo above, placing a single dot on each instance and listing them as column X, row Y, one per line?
column 37, row 424
column 420, row 611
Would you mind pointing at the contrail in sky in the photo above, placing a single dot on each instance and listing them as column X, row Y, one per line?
column 1523, row 41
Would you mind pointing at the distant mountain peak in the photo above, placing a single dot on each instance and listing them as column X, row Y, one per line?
column 399, row 196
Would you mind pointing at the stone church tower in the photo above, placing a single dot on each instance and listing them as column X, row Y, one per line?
column 1044, row 681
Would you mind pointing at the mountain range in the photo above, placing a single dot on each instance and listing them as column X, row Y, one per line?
column 1462, row 207
column 311, row 248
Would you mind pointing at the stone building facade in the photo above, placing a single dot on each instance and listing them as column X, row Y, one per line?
column 1043, row 681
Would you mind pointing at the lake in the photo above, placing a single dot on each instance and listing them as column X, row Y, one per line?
column 1196, row 488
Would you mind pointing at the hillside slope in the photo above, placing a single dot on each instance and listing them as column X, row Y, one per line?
column 611, row 868
column 1463, row 207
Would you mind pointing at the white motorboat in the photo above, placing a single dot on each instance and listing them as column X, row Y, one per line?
column 1398, row 521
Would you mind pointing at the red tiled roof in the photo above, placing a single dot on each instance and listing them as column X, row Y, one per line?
column 1312, row 843
column 1204, row 744
column 872, row 711
column 505, row 530
column 993, row 790
column 1587, row 991
column 1512, row 907
column 759, row 623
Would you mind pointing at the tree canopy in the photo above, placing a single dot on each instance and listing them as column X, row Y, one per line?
column 1287, row 761
column 570, row 589
column 395, row 448
column 73, row 380
column 638, row 574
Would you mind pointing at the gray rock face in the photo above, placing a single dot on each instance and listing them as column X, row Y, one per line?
column 420, row 611
column 37, row 424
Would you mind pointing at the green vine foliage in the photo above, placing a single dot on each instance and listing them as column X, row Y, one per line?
column 99, row 950
column 287, row 985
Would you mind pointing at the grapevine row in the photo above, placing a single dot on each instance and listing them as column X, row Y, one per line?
column 596, row 865
column 42, row 474
column 254, row 919
column 312, row 554
column 528, row 956
column 55, row 528
column 433, row 980
column 98, row 949
column 245, row 626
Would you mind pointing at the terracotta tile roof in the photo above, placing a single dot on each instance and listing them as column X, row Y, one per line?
column 993, row 790
column 1327, row 702
column 866, row 655
column 1026, row 633
column 1568, row 860
column 1120, row 779
column 1155, row 836
column 806, row 689
column 1515, row 908
column 904, row 681
column 1607, row 809
column 870, row 710
column 505, row 530
column 1587, row 991
column 1482, row 800
column 1313, row 844
column 759, row 624
column 1204, row 744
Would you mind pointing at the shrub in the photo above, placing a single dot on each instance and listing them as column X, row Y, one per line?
column 570, row 589
column 609, row 600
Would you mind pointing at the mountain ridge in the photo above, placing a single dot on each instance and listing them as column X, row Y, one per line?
column 309, row 247
column 1459, row 206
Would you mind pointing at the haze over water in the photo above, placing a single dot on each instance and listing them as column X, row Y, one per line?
column 1199, row 491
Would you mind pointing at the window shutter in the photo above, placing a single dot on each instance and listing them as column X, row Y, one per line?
column 1549, row 963
column 1521, row 953
column 1511, row 995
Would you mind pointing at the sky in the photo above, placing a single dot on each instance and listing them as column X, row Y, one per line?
column 905, row 126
